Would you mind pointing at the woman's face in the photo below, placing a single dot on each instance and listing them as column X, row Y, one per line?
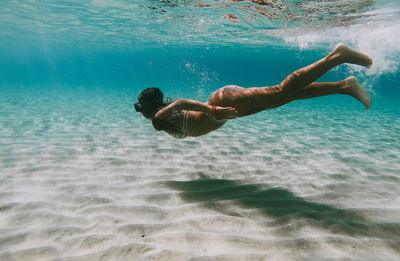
column 148, row 106
column 150, row 110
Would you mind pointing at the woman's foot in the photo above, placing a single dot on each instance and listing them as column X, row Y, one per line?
column 358, row 92
column 352, row 56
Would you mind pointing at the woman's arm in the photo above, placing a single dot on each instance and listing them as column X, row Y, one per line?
column 220, row 113
column 191, row 105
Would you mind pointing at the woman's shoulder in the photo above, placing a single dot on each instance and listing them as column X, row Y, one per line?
column 171, row 110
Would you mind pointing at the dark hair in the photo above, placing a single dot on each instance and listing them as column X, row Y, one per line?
column 150, row 102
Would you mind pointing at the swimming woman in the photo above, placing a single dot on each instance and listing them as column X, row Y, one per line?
column 184, row 117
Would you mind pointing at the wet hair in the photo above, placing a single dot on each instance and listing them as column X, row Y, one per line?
column 150, row 102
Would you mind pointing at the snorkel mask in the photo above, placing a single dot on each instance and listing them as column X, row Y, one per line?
column 148, row 107
column 138, row 107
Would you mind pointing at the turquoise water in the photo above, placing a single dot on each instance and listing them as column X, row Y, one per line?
column 84, row 177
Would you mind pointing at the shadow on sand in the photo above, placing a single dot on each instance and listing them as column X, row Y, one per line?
column 284, row 206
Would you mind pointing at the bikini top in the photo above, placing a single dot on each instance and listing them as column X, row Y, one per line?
column 185, row 132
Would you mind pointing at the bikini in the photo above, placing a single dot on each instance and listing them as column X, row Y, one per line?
column 185, row 131
column 185, row 124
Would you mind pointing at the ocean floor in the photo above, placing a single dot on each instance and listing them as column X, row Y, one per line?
column 83, row 177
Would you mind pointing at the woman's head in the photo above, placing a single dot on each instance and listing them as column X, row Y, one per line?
column 150, row 101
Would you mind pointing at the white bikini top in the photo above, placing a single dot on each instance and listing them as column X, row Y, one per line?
column 185, row 132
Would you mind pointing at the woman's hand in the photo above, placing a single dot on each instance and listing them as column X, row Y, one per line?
column 225, row 113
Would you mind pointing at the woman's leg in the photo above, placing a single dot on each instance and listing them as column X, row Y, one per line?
column 350, row 86
column 300, row 79
column 317, row 89
column 300, row 84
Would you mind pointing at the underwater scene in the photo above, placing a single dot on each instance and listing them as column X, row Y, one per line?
column 83, row 176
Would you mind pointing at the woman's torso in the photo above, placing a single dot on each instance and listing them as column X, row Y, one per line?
column 196, row 123
column 193, row 123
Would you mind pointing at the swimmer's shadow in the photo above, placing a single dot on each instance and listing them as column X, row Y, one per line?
column 283, row 206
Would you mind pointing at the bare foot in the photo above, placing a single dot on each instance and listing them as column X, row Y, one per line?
column 358, row 92
column 352, row 56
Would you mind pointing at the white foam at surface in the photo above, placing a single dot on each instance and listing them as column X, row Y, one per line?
column 377, row 36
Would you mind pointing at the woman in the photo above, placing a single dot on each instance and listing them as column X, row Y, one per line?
column 184, row 117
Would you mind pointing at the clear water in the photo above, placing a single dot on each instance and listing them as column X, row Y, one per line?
column 84, row 177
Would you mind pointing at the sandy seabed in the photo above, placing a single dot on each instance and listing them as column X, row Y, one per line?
column 309, row 181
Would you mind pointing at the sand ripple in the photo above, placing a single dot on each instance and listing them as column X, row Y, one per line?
column 102, row 185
